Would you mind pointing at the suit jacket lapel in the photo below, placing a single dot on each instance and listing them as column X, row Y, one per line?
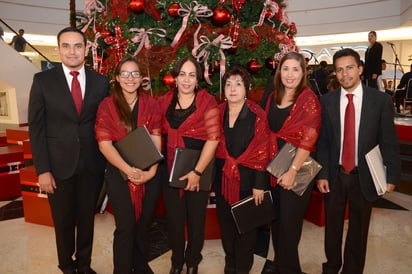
column 335, row 115
column 366, row 113
column 67, row 95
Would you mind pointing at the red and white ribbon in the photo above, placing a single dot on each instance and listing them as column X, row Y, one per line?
column 120, row 45
column 186, row 11
column 284, row 48
column 146, row 84
column 236, row 5
column 269, row 5
column 93, row 46
column 201, row 53
column 142, row 37
column 92, row 7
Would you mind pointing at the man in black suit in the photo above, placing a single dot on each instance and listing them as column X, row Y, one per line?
column 65, row 152
column 373, row 57
column 402, row 88
column 372, row 125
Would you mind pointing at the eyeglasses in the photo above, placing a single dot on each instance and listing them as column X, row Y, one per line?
column 126, row 74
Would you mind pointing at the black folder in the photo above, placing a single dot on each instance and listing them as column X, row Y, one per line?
column 283, row 160
column 138, row 149
column 184, row 161
column 248, row 216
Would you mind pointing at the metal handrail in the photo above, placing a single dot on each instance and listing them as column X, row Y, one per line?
column 28, row 43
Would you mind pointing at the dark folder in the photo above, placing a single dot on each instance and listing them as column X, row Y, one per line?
column 138, row 149
column 248, row 216
column 184, row 161
column 283, row 160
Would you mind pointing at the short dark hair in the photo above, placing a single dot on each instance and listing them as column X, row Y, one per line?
column 179, row 64
column 346, row 52
column 372, row 32
column 242, row 72
column 323, row 64
column 71, row 29
column 21, row 30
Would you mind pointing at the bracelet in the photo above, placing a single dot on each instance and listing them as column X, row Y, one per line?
column 295, row 168
column 197, row 172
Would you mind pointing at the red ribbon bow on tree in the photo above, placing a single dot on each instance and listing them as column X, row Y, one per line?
column 118, row 43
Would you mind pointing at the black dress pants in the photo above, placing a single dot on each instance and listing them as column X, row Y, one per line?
column 74, row 202
column 287, row 227
column 399, row 95
column 130, row 237
column 346, row 187
column 190, row 208
column 239, row 248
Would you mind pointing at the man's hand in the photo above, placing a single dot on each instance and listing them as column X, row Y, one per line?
column 46, row 182
column 390, row 188
column 323, row 186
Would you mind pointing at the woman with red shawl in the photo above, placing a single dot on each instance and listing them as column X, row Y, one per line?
column 294, row 117
column 133, row 201
column 190, row 118
column 242, row 156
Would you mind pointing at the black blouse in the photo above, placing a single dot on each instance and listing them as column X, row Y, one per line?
column 237, row 140
column 276, row 118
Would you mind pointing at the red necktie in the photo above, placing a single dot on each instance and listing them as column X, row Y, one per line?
column 76, row 91
column 348, row 151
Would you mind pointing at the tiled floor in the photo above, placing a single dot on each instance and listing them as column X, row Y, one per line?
column 30, row 248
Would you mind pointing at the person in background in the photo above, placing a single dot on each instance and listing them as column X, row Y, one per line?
column 382, row 84
column 241, row 158
column 373, row 57
column 19, row 42
column 403, row 88
column 294, row 116
column 62, row 113
column 354, row 120
column 134, row 200
column 320, row 75
column 190, row 119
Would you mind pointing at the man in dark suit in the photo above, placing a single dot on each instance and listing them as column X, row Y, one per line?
column 65, row 152
column 373, row 57
column 342, row 145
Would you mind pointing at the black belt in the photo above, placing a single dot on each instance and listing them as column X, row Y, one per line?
column 353, row 171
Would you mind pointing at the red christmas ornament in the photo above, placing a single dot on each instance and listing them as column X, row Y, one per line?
column 168, row 80
column 173, row 10
column 216, row 65
column 220, row 16
column 268, row 14
column 233, row 49
column 105, row 33
column 269, row 63
column 254, row 66
column 136, row 5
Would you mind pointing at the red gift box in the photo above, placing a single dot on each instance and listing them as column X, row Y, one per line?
column 35, row 205
column 11, row 160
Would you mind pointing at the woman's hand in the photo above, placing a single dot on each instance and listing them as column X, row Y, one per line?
column 145, row 176
column 134, row 175
column 193, row 181
column 287, row 179
column 258, row 194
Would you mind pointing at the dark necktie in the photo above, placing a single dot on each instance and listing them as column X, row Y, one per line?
column 76, row 91
column 348, row 151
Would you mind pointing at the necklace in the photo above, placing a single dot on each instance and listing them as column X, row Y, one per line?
column 132, row 102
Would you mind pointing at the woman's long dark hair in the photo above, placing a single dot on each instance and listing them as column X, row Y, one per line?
column 175, row 73
column 121, row 103
column 278, row 85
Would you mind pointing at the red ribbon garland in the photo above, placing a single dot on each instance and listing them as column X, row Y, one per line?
column 236, row 5
column 120, row 44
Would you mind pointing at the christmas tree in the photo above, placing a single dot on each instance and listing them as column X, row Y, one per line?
column 219, row 34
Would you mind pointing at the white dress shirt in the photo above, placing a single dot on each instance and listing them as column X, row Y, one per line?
column 81, row 77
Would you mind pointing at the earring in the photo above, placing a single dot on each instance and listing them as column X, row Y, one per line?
column 225, row 98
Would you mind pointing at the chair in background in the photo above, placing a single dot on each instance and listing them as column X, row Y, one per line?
column 408, row 95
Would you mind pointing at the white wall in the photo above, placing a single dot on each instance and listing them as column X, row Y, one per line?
column 16, row 76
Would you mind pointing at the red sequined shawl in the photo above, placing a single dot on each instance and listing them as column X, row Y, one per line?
column 302, row 126
column 256, row 156
column 202, row 124
column 109, row 128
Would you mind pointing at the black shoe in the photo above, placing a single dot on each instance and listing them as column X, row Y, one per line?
column 90, row 271
column 269, row 268
column 192, row 270
column 175, row 270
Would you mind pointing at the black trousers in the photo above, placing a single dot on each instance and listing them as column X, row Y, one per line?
column 130, row 237
column 239, row 248
column 346, row 187
column 399, row 94
column 74, row 202
column 287, row 227
column 191, row 209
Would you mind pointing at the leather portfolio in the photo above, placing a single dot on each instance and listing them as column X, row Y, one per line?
column 248, row 216
column 138, row 149
column 377, row 169
column 283, row 160
column 184, row 161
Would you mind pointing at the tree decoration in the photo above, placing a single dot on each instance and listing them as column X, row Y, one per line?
column 173, row 10
column 269, row 63
column 137, row 6
column 220, row 16
column 168, row 80
column 254, row 66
